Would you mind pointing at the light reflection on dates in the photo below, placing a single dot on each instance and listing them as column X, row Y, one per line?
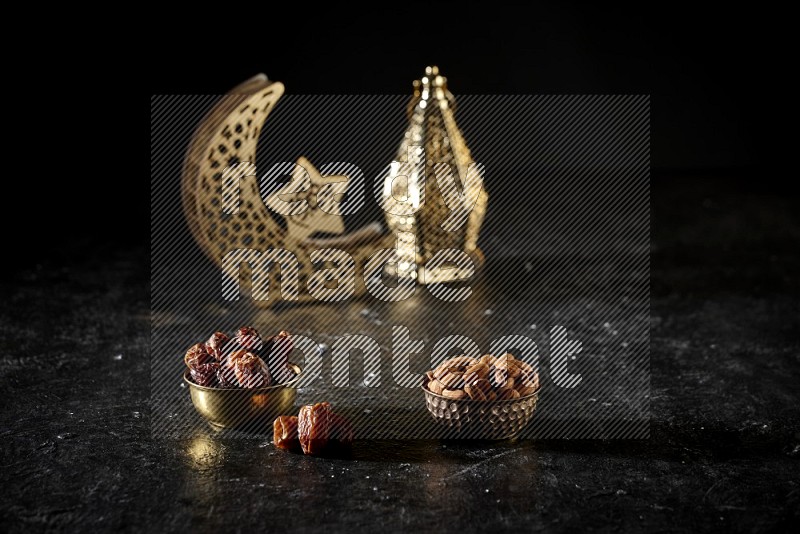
column 319, row 430
column 314, row 427
column 251, row 371
column 216, row 344
column 205, row 374
column 197, row 355
column 284, row 433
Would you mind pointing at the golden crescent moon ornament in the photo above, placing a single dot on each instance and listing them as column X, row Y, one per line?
column 227, row 137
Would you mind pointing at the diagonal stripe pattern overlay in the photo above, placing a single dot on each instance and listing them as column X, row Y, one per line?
column 566, row 240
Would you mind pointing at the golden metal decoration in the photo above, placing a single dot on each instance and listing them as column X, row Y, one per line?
column 228, row 136
column 413, row 183
column 427, row 211
column 237, row 407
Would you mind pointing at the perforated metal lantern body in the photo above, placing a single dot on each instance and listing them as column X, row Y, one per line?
column 418, row 195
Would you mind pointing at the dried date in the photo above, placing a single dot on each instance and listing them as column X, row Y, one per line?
column 314, row 427
column 197, row 355
column 205, row 374
column 216, row 344
column 226, row 376
column 276, row 354
column 251, row 371
column 248, row 338
column 244, row 360
column 284, row 433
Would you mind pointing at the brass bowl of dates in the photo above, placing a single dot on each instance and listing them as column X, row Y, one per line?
column 243, row 381
column 243, row 407
column 482, row 398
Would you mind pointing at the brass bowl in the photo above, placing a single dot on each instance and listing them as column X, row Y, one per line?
column 244, row 408
column 474, row 419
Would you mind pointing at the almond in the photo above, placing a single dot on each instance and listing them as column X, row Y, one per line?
column 483, row 384
column 480, row 369
column 440, row 371
column 487, row 359
column 434, row 386
column 452, row 379
column 528, row 381
column 470, row 378
column 475, row 393
column 454, row 394
column 502, row 380
column 509, row 364
column 459, row 361
column 525, row 367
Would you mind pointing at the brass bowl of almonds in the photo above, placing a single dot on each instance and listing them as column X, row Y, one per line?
column 482, row 398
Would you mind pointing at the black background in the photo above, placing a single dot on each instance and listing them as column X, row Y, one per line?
column 711, row 89
column 712, row 73
column 702, row 74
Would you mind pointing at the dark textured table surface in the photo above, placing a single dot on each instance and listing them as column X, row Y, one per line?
column 724, row 438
